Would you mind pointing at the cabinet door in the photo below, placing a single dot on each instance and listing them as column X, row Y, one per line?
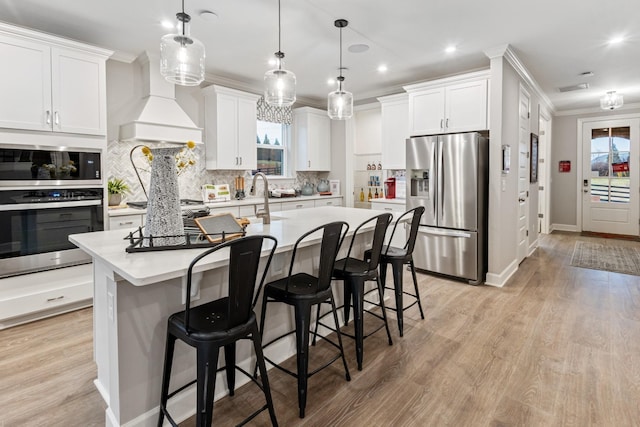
column 319, row 143
column 25, row 84
column 247, row 131
column 78, row 92
column 227, row 135
column 466, row 107
column 395, row 131
column 125, row 222
column 426, row 112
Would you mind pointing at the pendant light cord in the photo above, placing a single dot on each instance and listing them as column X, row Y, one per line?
column 280, row 55
column 183, row 34
column 340, row 79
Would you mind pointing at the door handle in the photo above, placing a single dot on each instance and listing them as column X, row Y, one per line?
column 446, row 123
column 240, row 159
column 48, row 117
column 521, row 200
column 56, row 118
column 441, row 123
column 585, row 190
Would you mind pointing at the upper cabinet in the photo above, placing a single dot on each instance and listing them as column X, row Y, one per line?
column 230, row 128
column 395, row 130
column 366, row 129
column 50, row 86
column 454, row 104
column 312, row 136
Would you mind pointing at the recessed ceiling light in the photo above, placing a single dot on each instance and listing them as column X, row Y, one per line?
column 450, row 49
column 587, row 74
column 382, row 68
column 208, row 15
column 169, row 25
column 358, row 48
column 616, row 40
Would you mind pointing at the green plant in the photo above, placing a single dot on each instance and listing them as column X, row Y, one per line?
column 117, row 186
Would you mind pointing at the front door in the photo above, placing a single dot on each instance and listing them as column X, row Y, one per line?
column 610, row 176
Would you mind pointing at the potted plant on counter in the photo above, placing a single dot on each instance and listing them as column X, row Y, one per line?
column 116, row 187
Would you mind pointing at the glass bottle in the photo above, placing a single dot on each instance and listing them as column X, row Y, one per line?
column 369, row 196
column 362, row 194
column 375, row 196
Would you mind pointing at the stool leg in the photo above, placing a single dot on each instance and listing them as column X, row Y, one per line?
column 257, row 346
column 347, row 291
column 357, row 287
column 415, row 285
column 315, row 330
column 384, row 310
column 303, row 318
column 397, row 286
column 335, row 319
column 166, row 375
column 263, row 313
column 206, row 383
column 230, row 363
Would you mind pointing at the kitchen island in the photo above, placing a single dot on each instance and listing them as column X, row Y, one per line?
column 134, row 294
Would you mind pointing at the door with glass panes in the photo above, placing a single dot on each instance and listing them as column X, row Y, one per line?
column 610, row 177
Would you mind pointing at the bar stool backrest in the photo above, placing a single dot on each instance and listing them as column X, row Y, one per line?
column 413, row 231
column 332, row 236
column 382, row 223
column 244, row 260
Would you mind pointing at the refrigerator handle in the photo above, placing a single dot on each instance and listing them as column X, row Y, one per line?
column 441, row 180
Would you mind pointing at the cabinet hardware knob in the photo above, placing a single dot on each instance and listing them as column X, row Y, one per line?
column 55, row 298
column 126, row 223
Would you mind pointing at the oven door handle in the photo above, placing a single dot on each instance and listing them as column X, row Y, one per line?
column 49, row 205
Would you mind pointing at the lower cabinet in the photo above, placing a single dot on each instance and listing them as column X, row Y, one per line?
column 328, row 202
column 126, row 222
column 301, row 204
column 399, row 237
column 37, row 295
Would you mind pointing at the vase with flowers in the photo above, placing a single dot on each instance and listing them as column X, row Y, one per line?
column 164, row 217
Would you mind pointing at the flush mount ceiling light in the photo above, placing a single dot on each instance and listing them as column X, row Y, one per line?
column 340, row 102
column 182, row 56
column 611, row 101
column 279, row 84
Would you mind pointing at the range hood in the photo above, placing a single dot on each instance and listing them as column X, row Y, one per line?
column 158, row 117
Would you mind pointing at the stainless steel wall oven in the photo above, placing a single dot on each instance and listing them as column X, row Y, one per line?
column 46, row 194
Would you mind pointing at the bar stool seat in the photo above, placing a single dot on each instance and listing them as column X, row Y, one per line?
column 220, row 324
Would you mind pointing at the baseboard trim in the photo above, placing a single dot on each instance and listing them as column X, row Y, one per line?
column 564, row 227
column 500, row 279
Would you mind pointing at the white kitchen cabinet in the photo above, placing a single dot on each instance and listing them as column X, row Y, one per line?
column 312, row 136
column 451, row 105
column 249, row 210
column 230, row 128
column 367, row 129
column 399, row 237
column 298, row 204
column 333, row 201
column 49, row 86
column 395, row 130
column 126, row 222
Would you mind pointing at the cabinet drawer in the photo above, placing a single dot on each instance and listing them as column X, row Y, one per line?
column 302, row 204
column 249, row 209
column 125, row 222
column 233, row 210
column 328, row 202
column 389, row 207
column 24, row 304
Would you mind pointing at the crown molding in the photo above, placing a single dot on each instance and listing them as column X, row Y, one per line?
column 596, row 110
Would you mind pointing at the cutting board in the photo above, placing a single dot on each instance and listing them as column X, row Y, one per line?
column 214, row 225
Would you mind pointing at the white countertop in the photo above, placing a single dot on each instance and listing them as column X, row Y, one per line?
column 248, row 201
column 144, row 268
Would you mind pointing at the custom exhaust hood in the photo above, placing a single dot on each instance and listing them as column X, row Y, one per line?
column 158, row 117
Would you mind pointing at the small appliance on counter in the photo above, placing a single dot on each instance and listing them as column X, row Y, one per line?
column 390, row 188
column 239, row 184
column 215, row 193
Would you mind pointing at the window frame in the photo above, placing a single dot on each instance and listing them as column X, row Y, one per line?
column 285, row 147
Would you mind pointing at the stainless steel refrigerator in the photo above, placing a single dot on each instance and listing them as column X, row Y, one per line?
column 448, row 175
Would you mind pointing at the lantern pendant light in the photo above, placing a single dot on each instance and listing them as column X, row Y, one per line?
column 611, row 101
column 279, row 84
column 182, row 56
column 340, row 102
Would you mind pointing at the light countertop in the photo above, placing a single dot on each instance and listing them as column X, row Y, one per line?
column 144, row 268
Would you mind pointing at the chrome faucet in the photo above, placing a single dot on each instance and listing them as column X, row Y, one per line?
column 262, row 213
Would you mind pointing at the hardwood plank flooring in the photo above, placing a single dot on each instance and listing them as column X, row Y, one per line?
column 557, row 346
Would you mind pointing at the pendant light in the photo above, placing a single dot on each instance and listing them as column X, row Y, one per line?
column 611, row 101
column 340, row 102
column 182, row 56
column 279, row 84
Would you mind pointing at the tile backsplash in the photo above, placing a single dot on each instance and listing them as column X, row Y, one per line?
column 190, row 181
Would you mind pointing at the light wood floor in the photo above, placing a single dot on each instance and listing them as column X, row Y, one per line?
column 557, row 346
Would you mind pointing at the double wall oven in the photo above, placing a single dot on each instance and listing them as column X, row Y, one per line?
column 46, row 194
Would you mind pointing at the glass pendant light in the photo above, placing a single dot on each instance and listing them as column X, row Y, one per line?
column 611, row 101
column 182, row 56
column 279, row 84
column 340, row 102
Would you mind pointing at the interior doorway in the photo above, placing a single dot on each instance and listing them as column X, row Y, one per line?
column 524, row 113
column 544, row 150
column 609, row 185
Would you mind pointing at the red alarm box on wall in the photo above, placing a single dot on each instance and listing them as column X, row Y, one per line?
column 390, row 188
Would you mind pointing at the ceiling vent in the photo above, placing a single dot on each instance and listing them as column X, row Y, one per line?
column 579, row 86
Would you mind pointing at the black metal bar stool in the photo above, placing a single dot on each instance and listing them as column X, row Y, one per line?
column 220, row 323
column 398, row 257
column 302, row 291
column 354, row 273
